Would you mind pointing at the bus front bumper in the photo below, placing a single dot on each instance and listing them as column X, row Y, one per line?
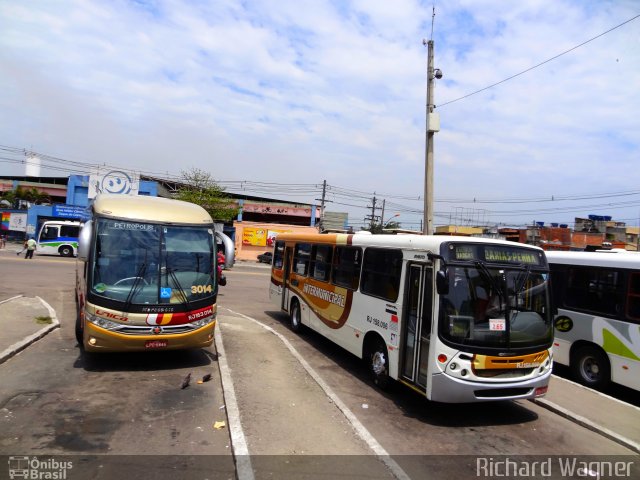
column 98, row 339
column 447, row 389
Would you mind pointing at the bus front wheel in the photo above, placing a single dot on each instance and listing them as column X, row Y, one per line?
column 590, row 366
column 79, row 333
column 294, row 317
column 378, row 360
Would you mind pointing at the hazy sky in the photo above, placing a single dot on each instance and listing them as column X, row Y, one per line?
column 297, row 92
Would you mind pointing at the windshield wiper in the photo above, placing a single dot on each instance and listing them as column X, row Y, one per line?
column 520, row 288
column 136, row 283
column 181, row 294
column 526, row 275
column 482, row 268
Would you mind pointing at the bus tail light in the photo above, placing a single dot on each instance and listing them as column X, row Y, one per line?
column 442, row 358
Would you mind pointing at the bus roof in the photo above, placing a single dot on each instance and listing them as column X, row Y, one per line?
column 419, row 242
column 62, row 222
column 599, row 259
column 151, row 209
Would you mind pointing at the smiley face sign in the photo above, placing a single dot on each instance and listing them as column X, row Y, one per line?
column 117, row 182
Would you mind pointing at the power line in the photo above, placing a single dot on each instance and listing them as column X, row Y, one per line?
column 336, row 194
column 539, row 64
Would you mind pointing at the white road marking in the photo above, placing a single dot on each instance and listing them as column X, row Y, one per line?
column 238, row 441
column 359, row 428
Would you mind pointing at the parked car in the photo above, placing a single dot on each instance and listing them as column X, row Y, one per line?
column 265, row 257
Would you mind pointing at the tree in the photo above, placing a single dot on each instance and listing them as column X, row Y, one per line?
column 31, row 195
column 10, row 197
column 378, row 228
column 36, row 197
column 199, row 187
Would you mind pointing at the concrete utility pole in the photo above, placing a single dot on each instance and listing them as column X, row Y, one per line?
column 433, row 125
column 324, row 191
column 373, row 213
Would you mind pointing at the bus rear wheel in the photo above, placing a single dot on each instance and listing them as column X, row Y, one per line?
column 378, row 363
column 590, row 366
column 66, row 251
column 294, row 317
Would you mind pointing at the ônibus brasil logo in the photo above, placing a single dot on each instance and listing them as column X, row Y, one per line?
column 36, row 469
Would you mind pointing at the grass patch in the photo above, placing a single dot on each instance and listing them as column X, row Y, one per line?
column 44, row 320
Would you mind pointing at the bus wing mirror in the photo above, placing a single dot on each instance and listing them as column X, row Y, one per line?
column 84, row 241
column 229, row 249
column 442, row 282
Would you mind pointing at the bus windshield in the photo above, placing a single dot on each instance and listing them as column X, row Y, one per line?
column 495, row 307
column 149, row 264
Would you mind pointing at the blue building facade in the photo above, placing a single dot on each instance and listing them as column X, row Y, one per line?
column 76, row 206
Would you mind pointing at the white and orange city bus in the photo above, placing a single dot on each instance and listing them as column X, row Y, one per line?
column 458, row 319
column 146, row 275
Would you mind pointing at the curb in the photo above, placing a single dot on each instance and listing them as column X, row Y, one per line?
column 239, row 447
column 24, row 343
column 588, row 424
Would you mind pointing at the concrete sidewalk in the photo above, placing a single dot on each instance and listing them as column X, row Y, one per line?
column 610, row 417
column 595, row 411
column 23, row 320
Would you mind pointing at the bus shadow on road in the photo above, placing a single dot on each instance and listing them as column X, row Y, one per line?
column 145, row 361
column 507, row 412
column 411, row 403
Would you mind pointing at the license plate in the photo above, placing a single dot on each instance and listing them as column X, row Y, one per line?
column 155, row 344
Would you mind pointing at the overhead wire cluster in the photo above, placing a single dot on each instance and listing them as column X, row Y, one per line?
column 464, row 209
column 359, row 199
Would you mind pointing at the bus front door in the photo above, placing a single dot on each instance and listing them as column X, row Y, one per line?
column 288, row 256
column 417, row 324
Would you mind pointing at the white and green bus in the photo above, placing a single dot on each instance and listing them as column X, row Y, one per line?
column 597, row 327
column 58, row 237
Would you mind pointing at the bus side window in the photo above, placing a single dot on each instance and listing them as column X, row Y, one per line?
column 69, row 231
column 301, row 256
column 347, row 262
column 49, row 233
column 381, row 271
column 633, row 298
column 594, row 290
column 321, row 262
column 278, row 255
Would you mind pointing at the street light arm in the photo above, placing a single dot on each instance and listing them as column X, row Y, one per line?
column 384, row 224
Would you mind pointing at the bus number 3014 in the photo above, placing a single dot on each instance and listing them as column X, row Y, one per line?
column 378, row 323
column 201, row 289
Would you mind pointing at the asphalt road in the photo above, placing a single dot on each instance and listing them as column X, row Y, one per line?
column 54, row 400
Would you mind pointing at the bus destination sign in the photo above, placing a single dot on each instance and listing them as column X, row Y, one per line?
column 494, row 254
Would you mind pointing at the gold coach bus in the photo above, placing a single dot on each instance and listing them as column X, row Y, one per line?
column 146, row 275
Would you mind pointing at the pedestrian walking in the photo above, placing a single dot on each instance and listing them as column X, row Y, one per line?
column 31, row 246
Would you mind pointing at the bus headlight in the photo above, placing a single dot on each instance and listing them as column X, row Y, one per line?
column 101, row 322
column 203, row 321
